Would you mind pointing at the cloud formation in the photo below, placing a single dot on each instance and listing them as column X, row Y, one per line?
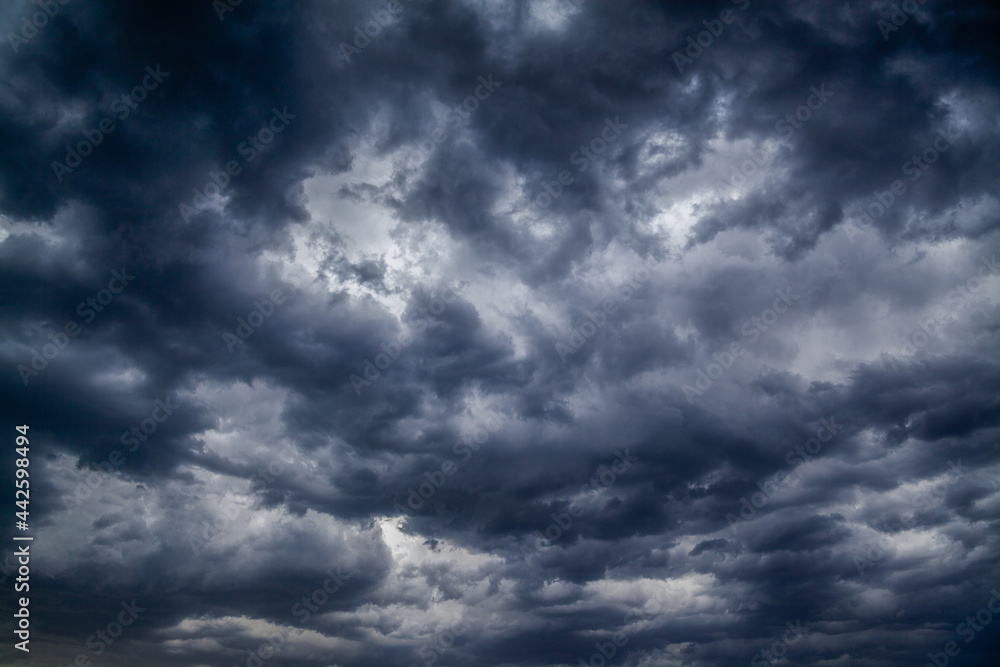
column 503, row 333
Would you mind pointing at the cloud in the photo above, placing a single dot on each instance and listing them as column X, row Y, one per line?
column 478, row 185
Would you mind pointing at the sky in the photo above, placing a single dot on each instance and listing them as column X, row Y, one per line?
column 510, row 333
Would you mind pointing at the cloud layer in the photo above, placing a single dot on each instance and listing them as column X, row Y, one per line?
column 504, row 333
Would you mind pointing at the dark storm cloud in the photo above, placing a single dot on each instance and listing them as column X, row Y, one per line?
column 473, row 476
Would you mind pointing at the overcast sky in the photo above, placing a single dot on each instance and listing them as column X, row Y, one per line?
column 503, row 332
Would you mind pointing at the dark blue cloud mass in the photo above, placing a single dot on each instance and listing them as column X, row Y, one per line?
column 509, row 333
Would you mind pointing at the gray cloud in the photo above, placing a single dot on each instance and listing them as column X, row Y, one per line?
column 565, row 262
